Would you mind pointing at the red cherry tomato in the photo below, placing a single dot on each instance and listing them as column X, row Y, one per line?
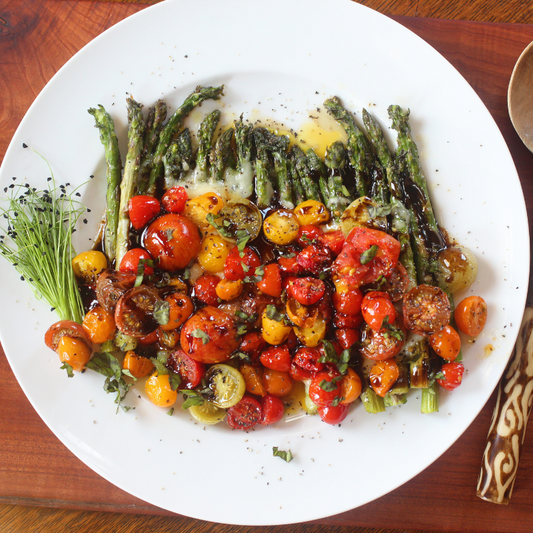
column 453, row 375
column 376, row 307
column 134, row 313
column 191, row 371
column 333, row 414
column 471, row 315
column 252, row 344
column 276, row 358
column 325, row 388
column 130, row 261
column 245, row 414
column 383, row 344
column 65, row 328
column 142, row 209
column 289, row 266
column 298, row 373
column 347, row 337
column 271, row 282
column 174, row 200
column 347, row 266
column 239, row 265
column 173, row 240
column 426, row 309
column 209, row 336
column 273, row 410
column 446, row 343
column 309, row 359
column 306, row 291
column 277, row 383
column 334, row 241
column 111, row 285
column 205, row 289
column 341, row 321
column 314, row 259
column 309, row 234
column 347, row 302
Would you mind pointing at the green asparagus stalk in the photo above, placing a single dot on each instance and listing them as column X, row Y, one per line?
column 320, row 173
column 171, row 128
column 157, row 115
column 309, row 186
column 222, row 155
column 108, row 137
column 264, row 190
column 244, row 139
column 278, row 145
column 178, row 159
column 205, row 136
column 296, row 185
column 339, row 195
column 130, row 176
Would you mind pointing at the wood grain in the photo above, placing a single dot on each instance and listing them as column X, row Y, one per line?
column 36, row 470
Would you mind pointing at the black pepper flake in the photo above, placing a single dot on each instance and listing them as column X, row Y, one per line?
column 24, row 145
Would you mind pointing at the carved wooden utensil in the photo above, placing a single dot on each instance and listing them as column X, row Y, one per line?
column 509, row 421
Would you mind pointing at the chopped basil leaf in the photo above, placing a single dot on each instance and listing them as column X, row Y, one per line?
column 174, row 380
column 273, row 314
column 68, row 368
column 191, row 398
column 160, row 362
column 242, row 329
column 170, row 412
column 242, row 239
column 200, row 334
column 379, row 210
column 329, row 386
column 169, row 234
column 369, row 254
column 285, row 455
column 241, row 356
column 162, row 312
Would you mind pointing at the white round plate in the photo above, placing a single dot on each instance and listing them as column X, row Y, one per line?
column 279, row 59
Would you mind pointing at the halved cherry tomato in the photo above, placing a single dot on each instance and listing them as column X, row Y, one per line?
column 309, row 359
column 65, row 328
column 397, row 283
column 325, row 388
column 471, row 315
column 137, row 365
column 131, row 259
column 180, row 309
column 309, row 234
column 376, row 307
column 347, row 267
column 347, row 337
column 271, row 282
column 253, row 377
column 272, row 408
column 142, row 209
column 351, row 386
column 277, row 383
column 333, row 241
column 453, row 375
column 210, row 335
column 306, row 291
column 246, row 414
column 383, row 344
column 314, row 259
column 174, row 199
column 173, row 240
column 151, row 338
column 239, row 264
column 252, row 344
column 111, row 285
column 383, row 375
column 134, row 314
column 426, row 309
column 99, row 324
column 191, row 371
column 300, row 315
column 347, row 300
column 333, row 414
column 168, row 339
column 205, row 289
column 276, row 358
column 446, row 343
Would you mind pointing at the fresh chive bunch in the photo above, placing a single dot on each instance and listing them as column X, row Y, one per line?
column 38, row 243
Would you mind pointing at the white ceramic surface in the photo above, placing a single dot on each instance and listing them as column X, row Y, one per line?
column 278, row 59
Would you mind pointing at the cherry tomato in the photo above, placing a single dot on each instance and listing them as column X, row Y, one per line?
column 397, row 283
column 347, row 300
column 376, row 307
column 146, row 340
column 205, row 289
column 341, row 321
column 229, row 290
column 168, row 339
column 173, row 240
column 347, row 337
column 453, row 375
column 245, row 414
column 446, row 343
column 180, row 309
column 385, row 256
column 309, row 234
column 277, row 383
column 306, row 291
column 383, row 344
column 74, row 351
column 99, row 324
column 324, row 388
column 314, row 259
column 142, row 209
column 271, row 282
column 298, row 373
column 65, row 328
column 471, row 315
column 134, row 314
column 253, row 377
column 309, row 359
column 276, row 358
column 111, row 285
column 174, row 199
column 252, row 344
column 131, row 259
column 351, row 386
column 159, row 390
column 191, row 371
column 272, row 408
column 210, row 335
column 289, row 266
column 333, row 414
column 383, row 375
column 426, row 309
column 239, row 264
column 333, row 241
column 138, row 366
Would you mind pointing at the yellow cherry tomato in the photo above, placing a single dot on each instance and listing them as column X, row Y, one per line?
column 99, row 325
column 281, row 227
column 229, row 290
column 213, row 252
column 274, row 331
column 138, row 366
column 311, row 212
column 226, row 385
column 88, row 265
column 74, row 351
column 159, row 391
column 312, row 335
column 197, row 209
column 207, row 413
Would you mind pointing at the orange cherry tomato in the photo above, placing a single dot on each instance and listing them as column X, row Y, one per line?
column 426, row 309
column 99, row 324
column 383, row 375
column 229, row 290
column 253, row 378
column 446, row 343
column 74, row 351
column 159, row 390
column 277, row 383
column 351, row 386
column 471, row 315
column 65, row 328
column 138, row 366
column 180, row 309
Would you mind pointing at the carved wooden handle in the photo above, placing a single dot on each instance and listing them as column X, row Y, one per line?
column 509, row 421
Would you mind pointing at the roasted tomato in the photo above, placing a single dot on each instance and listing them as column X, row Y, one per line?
column 347, row 300
column 376, row 308
column 446, row 343
column 471, row 315
column 382, row 344
column 191, row 371
column 132, row 258
column 426, row 309
column 180, row 309
column 309, row 234
column 276, row 358
column 272, row 408
column 333, row 414
column 314, row 259
column 246, row 414
column 205, row 289
column 383, row 376
column 325, row 388
column 239, row 264
column 210, row 335
column 64, row 328
column 252, row 344
column 306, row 291
column 134, row 314
column 174, row 199
column 142, row 209
column 111, row 285
column 309, row 359
column 452, row 375
column 173, row 240
column 271, row 282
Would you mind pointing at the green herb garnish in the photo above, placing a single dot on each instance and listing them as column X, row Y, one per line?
column 285, row 455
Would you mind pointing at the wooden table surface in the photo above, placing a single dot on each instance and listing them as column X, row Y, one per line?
column 44, row 488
